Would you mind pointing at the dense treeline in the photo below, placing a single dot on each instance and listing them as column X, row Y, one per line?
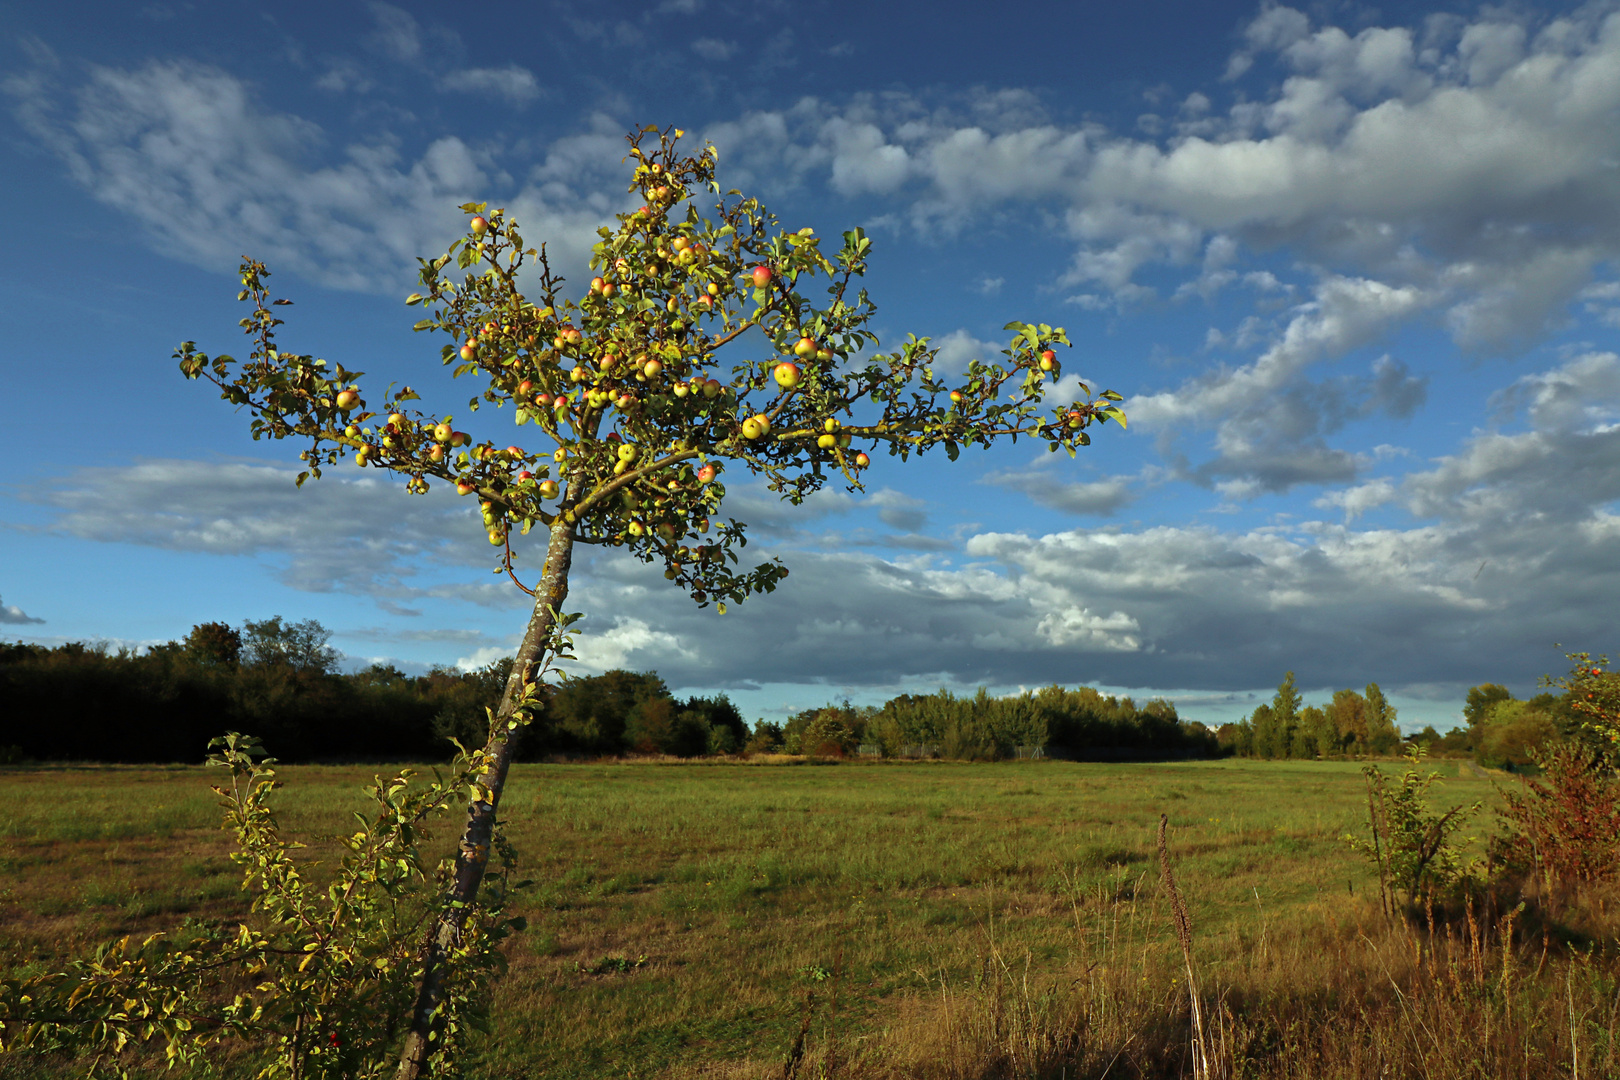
column 1501, row 731
column 279, row 680
column 273, row 679
column 1052, row 721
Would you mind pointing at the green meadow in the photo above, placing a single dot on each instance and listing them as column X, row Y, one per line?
column 797, row 919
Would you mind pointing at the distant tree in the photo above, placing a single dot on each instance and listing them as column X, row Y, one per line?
column 1285, row 715
column 651, row 726
column 214, row 644
column 1236, row 739
column 595, row 712
column 1319, row 735
column 1268, row 741
column 726, row 727
column 766, row 738
column 1428, row 738
column 1477, row 707
column 1349, row 710
column 1513, row 732
column 380, row 675
column 301, row 646
column 829, row 734
column 1456, row 741
column 1383, row 737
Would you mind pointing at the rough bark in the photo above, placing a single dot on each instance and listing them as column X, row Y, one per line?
column 473, row 854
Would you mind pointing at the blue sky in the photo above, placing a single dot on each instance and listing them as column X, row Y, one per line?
column 1352, row 267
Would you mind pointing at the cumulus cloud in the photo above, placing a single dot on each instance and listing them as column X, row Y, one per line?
column 1097, row 497
column 516, row 84
column 1269, row 418
column 12, row 615
column 1473, row 168
column 713, row 49
column 188, row 152
column 357, row 534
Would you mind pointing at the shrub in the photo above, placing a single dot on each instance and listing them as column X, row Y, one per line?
column 1411, row 846
column 1565, row 826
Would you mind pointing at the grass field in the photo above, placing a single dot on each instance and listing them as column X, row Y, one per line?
column 910, row 920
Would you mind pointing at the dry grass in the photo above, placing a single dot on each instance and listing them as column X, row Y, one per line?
column 925, row 920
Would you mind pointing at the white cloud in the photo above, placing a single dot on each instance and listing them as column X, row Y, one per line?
column 12, row 615
column 1475, row 169
column 516, row 84
column 713, row 49
column 188, row 152
column 959, row 348
column 1098, row 497
column 347, row 532
column 396, row 33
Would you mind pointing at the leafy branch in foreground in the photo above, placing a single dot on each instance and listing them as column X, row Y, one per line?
column 323, row 980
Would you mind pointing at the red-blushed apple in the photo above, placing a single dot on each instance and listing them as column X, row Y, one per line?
column 464, row 488
column 548, row 489
column 544, row 400
column 652, row 368
column 956, row 397
column 1048, row 360
column 442, row 432
column 525, row 475
column 514, row 452
column 861, row 460
column 459, row 438
column 469, row 351
column 596, row 284
column 706, row 473
column 479, row 226
column 526, row 387
column 787, row 374
column 762, row 276
column 435, row 453
column 805, row 349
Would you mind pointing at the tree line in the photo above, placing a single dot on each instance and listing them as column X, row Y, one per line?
column 1052, row 721
column 279, row 680
column 1500, row 731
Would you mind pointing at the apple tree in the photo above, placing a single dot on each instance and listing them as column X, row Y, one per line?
column 712, row 343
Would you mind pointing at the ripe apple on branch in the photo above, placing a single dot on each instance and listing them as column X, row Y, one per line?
column 709, row 336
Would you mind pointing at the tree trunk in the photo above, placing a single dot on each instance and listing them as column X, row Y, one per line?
column 473, row 854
